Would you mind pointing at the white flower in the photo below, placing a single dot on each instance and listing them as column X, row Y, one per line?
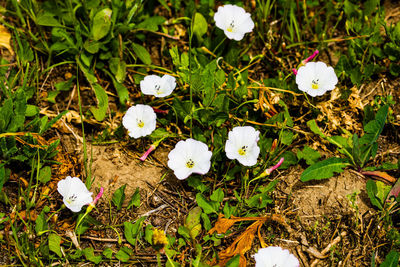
column 315, row 78
column 234, row 21
column 158, row 86
column 74, row 192
column 139, row 120
column 242, row 145
column 189, row 156
column 275, row 257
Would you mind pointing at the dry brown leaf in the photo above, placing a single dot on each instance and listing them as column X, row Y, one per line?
column 5, row 37
column 243, row 243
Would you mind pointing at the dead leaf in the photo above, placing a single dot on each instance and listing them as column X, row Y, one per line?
column 5, row 37
column 243, row 243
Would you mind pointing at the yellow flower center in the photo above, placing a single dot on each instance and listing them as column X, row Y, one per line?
column 140, row 124
column 157, row 88
column 314, row 84
column 190, row 163
column 71, row 199
column 231, row 26
column 242, row 150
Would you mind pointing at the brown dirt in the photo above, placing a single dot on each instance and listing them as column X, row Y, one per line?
column 113, row 166
column 316, row 199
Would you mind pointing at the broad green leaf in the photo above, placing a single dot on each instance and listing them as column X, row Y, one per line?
column 132, row 230
column 371, row 191
column 119, row 197
column 41, row 224
column 89, row 254
column 47, row 19
column 107, row 252
column 192, row 222
column 54, row 244
column 45, row 174
column 259, row 201
column 324, row 169
column 391, row 259
column 124, row 254
column 206, row 222
column 141, row 53
column 148, row 233
column 290, row 159
column 375, row 127
column 118, row 68
column 310, row 155
column 370, row 6
column 101, row 24
column 287, row 137
column 200, row 25
column 217, row 195
column 100, row 112
column 31, row 110
column 184, row 232
column 135, row 199
column 92, row 46
column 206, row 205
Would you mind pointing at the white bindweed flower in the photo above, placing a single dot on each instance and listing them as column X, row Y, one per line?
column 315, row 78
column 139, row 120
column 158, row 86
column 234, row 21
column 275, row 257
column 242, row 145
column 189, row 156
column 74, row 192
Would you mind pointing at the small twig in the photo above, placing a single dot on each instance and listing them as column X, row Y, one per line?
column 102, row 239
column 328, row 247
column 155, row 210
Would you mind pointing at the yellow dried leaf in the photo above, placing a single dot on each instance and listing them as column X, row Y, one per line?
column 5, row 37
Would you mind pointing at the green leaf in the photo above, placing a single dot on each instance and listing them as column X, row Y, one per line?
column 205, row 204
column 45, row 174
column 324, row 169
column 47, row 19
column 101, row 24
column 290, row 159
column 217, row 195
column 375, row 127
column 124, row 254
column 391, row 259
column 41, row 223
column 119, row 197
column 31, row 110
column 259, row 201
column 141, row 53
column 135, row 199
column 107, row 252
column 118, row 68
column 131, row 231
column 370, row 6
column 89, row 254
column 54, row 244
column 192, row 222
column 100, row 112
column 199, row 26
column 92, row 46
column 148, row 234
column 309, row 155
